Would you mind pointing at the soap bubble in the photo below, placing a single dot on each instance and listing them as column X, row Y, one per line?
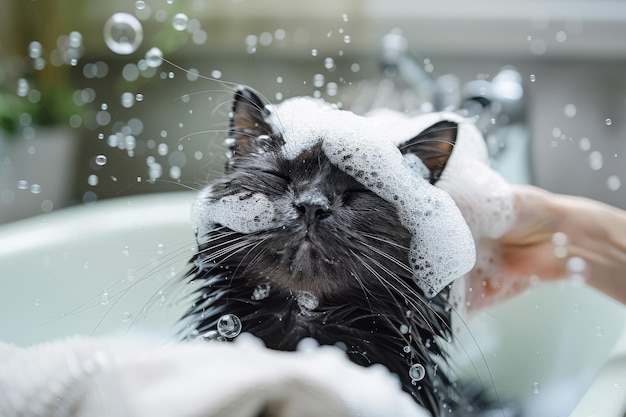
column 123, row 33
column 417, row 372
column 180, row 21
column 229, row 326
column 154, row 57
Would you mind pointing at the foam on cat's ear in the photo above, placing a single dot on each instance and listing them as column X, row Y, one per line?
column 247, row 121
column 433, row 146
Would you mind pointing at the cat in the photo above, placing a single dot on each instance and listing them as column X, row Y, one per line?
column 331, row 226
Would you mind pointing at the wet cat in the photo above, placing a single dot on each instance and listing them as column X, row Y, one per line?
column 328, row 225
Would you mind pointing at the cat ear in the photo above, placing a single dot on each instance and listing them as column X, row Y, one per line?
column 247, row 121
column 433, row 146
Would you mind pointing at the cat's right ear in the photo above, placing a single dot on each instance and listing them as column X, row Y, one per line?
column 247, row 121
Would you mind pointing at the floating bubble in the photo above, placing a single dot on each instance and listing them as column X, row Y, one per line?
column 75, row 39
column 104, row 298
column 570, row 110
column 92, row 180
column 585, row 144
column 318, row 80
column 608, row 122
column 126, row 316
column 229, row 326
column 417, row 372
column 344, row 17
column 35, row 49
column 154, row 57
column 101, row 160
column 346, row 39
column 266, row 39
column 575, row 265
column 22, row 184
column 536, row 388
column 180, row 21
column 127, row 99
column 599, row 332
column 160, row 249
column 313, row 52
column 140, row 5
column 595, row 160
column 532, row 78
column 123, row 33
column 22, row 87
column 613, row 182
column 139, row 97
column 329, row 63
column 35, row 188
column 561, row 36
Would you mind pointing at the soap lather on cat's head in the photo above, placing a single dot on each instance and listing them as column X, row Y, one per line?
column 323, row 227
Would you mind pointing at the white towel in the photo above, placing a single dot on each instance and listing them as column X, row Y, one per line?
column 131, row 378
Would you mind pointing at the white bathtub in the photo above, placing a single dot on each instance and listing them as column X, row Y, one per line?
column 105, row 269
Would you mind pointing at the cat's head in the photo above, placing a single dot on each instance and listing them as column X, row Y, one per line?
column 321, row 200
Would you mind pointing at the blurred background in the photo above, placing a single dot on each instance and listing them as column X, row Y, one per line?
column 107, row 99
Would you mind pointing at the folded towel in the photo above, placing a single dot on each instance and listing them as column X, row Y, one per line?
column 133, row 378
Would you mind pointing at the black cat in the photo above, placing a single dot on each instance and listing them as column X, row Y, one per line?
column 307, row 235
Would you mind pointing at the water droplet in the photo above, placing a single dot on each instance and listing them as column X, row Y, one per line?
column 559, row 239
column 229, row 326
column 595, row 160
column 329, row 63
column 154, row 57
column 613, row 182
column 608, row 122
column 417, row 372
column 532, row 78
column 35, row 49
column 585, row 144
column 404, row 329
column 180, row 21
column 123, row 33
column 126, row 316
column 536, row 388
column 570, row 110
column 261, row 292
column 599, row 332
column 576, row 264
column 101, row 160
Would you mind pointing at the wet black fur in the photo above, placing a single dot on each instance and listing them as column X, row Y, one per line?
column 355, row 261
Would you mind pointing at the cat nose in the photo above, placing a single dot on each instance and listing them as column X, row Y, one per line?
column 311, row 212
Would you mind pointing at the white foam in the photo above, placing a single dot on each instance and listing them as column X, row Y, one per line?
column 442, row 247
column 238, row 212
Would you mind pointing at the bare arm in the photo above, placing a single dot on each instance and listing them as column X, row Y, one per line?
column 584, row 228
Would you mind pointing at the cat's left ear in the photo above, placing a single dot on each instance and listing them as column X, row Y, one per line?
column 247, row 121
column 433, row 146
